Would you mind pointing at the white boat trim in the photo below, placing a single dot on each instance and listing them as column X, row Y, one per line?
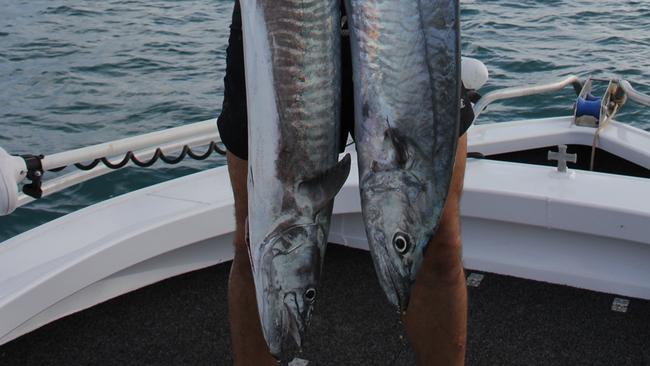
column 618, row 138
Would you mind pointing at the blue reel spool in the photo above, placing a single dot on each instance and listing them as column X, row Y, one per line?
column 589, row 106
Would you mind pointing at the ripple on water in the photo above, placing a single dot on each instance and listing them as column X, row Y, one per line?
column 108, row 69
column 71, row 11
column 41, row 48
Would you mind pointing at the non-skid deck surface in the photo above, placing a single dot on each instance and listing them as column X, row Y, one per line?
column 183, row 321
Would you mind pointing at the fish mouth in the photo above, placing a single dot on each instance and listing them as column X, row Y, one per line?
column 402, row 281
column 296, row 326
column 394, row 280
column 396, row 272
column 400, row 290
column 293, row 324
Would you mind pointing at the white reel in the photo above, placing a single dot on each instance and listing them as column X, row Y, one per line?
column 12, row 171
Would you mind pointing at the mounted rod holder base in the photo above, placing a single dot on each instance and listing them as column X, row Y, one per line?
column 13, row 170
column 474, row 74
column 34, row 164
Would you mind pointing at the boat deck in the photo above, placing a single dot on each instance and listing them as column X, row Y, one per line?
column 183, row 321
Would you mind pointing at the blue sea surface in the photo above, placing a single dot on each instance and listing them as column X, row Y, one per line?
column 76, row 73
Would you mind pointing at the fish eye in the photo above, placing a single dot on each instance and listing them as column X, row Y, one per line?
column 401, row 243
column 310, row 294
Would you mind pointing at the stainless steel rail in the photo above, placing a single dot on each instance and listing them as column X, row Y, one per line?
column 135, row 143
column 634, row 94
column 573, row 80
column 13, row 169
column 510, row 93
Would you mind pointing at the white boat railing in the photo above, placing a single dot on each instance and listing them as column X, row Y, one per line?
column 142, row 147
column 68, row 180
column 510, row 93
column 135, row 143
column 192, row 135
column 633, row 94
column 572, row 80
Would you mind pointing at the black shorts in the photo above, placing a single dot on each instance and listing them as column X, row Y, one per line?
column 233, row 121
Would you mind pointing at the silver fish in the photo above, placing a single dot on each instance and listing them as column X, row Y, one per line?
column 406, row 61
column 292, row 57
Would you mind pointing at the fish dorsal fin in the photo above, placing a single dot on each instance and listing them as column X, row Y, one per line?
column 320, row 190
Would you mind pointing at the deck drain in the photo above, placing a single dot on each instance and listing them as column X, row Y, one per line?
column 298, row 362
column 620, row 305
column 474, row 279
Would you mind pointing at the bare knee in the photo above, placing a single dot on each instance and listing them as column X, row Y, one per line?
column 443, row 261
column 460, row 343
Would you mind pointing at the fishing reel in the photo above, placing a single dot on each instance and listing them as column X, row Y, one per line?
column 13, row 170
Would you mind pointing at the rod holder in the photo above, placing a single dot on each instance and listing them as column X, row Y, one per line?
column 13, row 170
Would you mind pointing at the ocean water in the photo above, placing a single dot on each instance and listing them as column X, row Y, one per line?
column 75, row 73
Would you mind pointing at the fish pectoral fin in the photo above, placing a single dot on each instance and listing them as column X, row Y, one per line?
column 401, row 148
column 322, row 189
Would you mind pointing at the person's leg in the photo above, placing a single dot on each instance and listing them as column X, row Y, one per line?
column 436, row 318
column 248, row 344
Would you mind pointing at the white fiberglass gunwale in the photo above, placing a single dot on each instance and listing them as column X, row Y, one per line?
column 523, row 220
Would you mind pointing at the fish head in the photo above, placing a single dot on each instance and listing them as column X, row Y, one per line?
column 293, row 260
column 287, row 267
column 395, row 215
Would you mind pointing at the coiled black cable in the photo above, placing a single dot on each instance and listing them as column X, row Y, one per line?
column 130, row 157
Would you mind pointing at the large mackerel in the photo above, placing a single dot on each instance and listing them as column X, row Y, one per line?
column 292, row 56
column 406, row 61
